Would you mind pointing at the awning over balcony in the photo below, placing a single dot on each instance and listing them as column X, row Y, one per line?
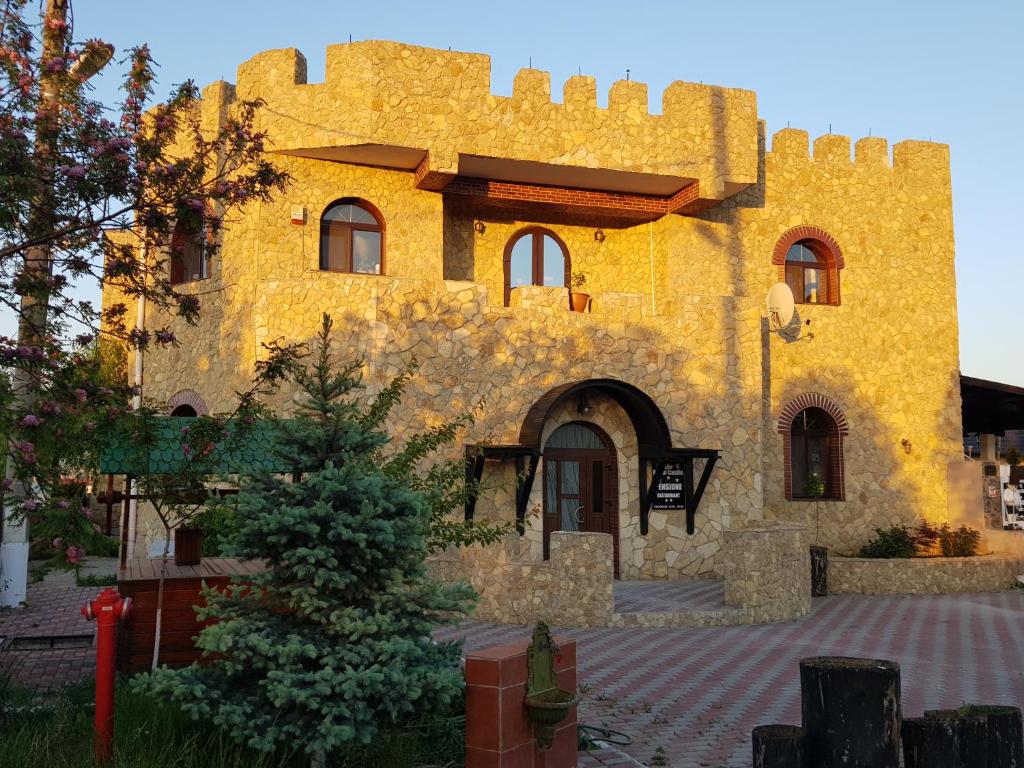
column 991, row 408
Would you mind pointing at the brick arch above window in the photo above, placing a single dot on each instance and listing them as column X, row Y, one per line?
column 188, row 397
column 807, row 232
column 812, row 400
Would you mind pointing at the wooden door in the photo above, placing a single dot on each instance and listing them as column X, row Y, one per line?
column 580, row 488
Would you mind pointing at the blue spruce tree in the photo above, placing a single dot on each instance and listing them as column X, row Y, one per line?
column 332, row 642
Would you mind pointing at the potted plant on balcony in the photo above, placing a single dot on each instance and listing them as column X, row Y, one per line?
column 577, row 299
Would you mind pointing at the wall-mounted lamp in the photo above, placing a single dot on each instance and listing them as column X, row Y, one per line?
column 907, row 445
column 478, row 227
column 599, row 235
column 583, row 406
column 298, row 214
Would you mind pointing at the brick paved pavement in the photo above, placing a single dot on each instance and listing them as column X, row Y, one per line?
column 52, row 611
column 697, row 693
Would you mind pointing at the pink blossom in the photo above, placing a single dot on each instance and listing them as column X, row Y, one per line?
column 58, row 543
column 63, row 504
column 86, row 512
column 29, row 420
column 82, row 395
column 30, row 505
column 75, row 554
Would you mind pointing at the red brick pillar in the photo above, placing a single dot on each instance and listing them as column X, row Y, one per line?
column 498, row 730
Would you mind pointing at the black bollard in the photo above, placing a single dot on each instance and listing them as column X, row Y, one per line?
column 930, row 742
column 779, row 746
column 851, row 712
column 819, row 571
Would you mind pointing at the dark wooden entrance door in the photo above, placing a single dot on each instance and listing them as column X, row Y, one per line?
column 580, row 484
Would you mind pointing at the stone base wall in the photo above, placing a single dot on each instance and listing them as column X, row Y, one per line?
column 768, row 570
column 923, row 576
column 571, row 589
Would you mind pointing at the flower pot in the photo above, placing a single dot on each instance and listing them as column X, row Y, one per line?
column 188, row 546
column 579, row 301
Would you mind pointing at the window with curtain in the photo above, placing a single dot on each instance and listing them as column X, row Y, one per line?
column 189, row 256
column 352, row 238
column 814, row 455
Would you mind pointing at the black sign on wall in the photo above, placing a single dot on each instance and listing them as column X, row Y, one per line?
column 670, row 493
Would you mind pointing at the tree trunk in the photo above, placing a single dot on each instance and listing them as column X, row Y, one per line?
column 987, row 736
column 778, row 746
column 930, row 742
column 851, row 712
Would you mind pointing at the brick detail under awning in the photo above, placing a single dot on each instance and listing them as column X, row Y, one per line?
column 590, row 202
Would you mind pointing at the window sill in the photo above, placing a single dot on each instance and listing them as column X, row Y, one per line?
column 809, row 499
column 190, row 282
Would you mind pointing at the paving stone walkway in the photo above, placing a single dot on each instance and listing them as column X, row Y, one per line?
column 687, row 697
column 690, row 698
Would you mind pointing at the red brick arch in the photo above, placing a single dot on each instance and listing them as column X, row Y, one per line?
column 187, row 397
column 824, row 246
column 840, row 429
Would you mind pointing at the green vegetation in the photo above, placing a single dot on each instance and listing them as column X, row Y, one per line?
column 925, row 540
column 330, row 649
column 58, row 734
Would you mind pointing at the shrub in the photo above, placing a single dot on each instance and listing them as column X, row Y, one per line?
column 923, row 541
column 218, row 524
column 1012, row 456
column 894, row 541
column 331, row 646
column 962, row 542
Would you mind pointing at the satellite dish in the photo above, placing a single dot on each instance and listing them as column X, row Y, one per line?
column 781, row 305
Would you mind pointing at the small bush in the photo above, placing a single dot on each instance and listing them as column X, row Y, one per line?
column 894, row 541
column 96, row 580
column 1012, row 456
column 963, row 542
column 218, row 524
column 923, row 541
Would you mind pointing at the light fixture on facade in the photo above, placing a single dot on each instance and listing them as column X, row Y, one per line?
column 599, row 235
column 479, row 227
column 583, row 406
column 298, row 214
column 907, row 445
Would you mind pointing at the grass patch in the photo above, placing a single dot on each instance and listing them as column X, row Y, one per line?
column 96, row 579
column 56, row 732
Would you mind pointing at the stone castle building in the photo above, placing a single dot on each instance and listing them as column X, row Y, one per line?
column 441, row 223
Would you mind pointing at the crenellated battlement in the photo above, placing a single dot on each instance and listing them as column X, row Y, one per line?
column 908, row 156
column 390, row 94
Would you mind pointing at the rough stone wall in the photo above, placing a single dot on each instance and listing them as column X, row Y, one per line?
column 571, row 589
column 768, row 570
column 923, row 575
column 888, row 355
column 693, row 338
column 385, row 93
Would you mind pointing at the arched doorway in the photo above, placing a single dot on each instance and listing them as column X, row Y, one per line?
column 581, row 483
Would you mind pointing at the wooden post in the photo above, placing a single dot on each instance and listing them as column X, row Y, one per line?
column 986, row 736
column 819, row 571
column 930, row 742
column 851, row 712
column 778, row 746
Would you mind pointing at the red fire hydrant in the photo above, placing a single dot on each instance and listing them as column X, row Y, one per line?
column 108, row 608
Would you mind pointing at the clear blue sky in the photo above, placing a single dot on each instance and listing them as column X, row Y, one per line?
column 941, row 70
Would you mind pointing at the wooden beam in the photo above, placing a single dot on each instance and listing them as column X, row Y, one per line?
column 523, row 493
column 698, row 494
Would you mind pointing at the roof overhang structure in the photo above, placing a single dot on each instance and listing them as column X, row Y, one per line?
column 989, row 407
column 654, row 449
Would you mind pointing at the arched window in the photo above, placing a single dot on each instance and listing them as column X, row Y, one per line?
column 813, row 428
column 189, row 254
column 352, row 238
column 535, row 256
column 807, row 273
column 811, row 260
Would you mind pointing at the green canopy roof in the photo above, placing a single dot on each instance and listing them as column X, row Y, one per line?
column 254, row 453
